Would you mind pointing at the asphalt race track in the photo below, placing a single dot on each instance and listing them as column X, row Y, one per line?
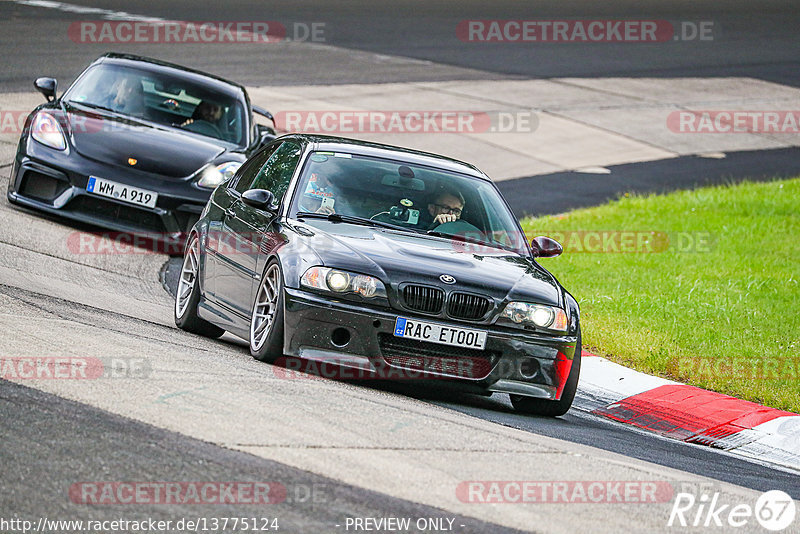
column 183, row 408
column 756, row 40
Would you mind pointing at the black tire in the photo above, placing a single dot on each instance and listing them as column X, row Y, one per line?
column 551, row 408
column 185, row 311
column 269, row 347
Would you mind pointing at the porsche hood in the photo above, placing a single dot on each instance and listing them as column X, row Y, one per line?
column 117, row 141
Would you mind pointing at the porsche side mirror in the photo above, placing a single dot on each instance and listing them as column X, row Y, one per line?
column 545, row 247
column 265, row 134
column 46, row 86
column 264, row 113
column 260, row 199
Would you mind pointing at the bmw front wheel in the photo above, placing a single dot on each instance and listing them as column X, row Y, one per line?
column 266, row 322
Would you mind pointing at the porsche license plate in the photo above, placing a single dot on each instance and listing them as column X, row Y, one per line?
column 439, row 333
column 122, row 192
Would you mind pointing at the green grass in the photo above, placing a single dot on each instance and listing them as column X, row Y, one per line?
column 721, row 316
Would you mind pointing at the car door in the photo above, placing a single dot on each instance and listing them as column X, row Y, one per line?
column 243, row 226
column 224, row 199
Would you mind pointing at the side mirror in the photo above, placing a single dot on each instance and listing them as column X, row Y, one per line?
column 264, row 113
column 265, row 134
column 46, row 86
column 545, row 247
column 260, row 199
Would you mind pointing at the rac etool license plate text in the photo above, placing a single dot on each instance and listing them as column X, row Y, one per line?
column 439, row 333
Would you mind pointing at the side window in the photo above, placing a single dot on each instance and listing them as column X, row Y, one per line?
column 242, row 180
column 277, row 173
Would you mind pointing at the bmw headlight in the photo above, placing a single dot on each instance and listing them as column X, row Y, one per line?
column 525, row 313
column 343, row 282
column 212, row 175
column 46, row 130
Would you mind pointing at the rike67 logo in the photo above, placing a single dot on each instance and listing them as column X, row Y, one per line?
column 774, row 510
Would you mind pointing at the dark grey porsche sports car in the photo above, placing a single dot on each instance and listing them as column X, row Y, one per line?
column 134, row 145
column 397, row 263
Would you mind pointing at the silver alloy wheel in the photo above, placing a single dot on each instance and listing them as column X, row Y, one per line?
column 187, row 278
column 264, row 308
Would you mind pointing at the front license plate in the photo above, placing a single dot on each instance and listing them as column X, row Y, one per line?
column 125, row 193
column 439, row 333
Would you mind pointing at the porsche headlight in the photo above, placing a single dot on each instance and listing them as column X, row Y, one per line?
column 212, row 175
column 327, row 279
column 526, row 313
column 46, row 130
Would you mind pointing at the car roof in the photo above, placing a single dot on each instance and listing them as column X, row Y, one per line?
column 368, row 148
column 154, row 65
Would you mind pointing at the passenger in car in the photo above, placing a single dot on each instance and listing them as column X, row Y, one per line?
column 127, row 96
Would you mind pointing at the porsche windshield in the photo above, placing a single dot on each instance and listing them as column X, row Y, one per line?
column 417, row 198
column 168, row 100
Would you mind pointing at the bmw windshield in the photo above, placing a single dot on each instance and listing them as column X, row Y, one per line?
column 407, row 196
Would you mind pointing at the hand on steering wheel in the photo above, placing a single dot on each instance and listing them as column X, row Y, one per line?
column 444, row 218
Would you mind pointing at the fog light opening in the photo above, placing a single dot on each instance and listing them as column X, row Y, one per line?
column 528, row 367
column 340, row 337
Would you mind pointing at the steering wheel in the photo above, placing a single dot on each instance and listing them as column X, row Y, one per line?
column 204, row 128
column 457, row 227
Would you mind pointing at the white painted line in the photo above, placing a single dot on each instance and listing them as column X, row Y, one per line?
column 107, row 14
column 775, row 443
column 611, row 382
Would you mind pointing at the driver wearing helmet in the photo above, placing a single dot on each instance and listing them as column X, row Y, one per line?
column 320, row 196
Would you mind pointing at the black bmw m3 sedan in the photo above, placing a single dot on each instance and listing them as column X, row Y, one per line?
column 398, row 263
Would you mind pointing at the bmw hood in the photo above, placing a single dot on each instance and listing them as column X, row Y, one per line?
column 397, row 257
column 122, row 142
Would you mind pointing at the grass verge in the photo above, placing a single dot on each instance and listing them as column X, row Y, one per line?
column 697, row 286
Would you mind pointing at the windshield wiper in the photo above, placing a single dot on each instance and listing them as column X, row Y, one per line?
column 93, row 106
column 470, row 239
column 352, row 219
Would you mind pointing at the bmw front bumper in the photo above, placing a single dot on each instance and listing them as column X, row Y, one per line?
column 360, row 337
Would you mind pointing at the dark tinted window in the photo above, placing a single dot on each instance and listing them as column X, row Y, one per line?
column 409, row 195
column 242, row 180
column 277, row 173
column 166, row 99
